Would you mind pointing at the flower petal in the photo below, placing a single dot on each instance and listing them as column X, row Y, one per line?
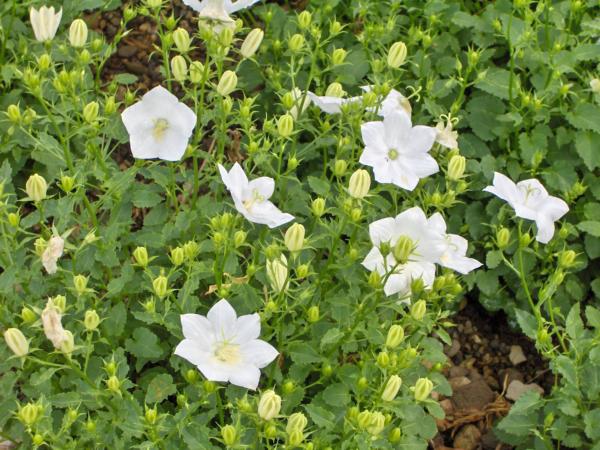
column 265, row 186
column 246, row 376
column 198, row 328
column 383, row 230
column 192, row 351
column 223, row 319
column 247, row 328
column 258, row 353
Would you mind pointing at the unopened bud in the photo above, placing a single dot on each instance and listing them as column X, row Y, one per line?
column 179, row 68
column 360, row 183
column 196, row 72
column 160, row 286
column 391, row 388
column 423, row 388
column 567, row 258
column 67, row 183
column 418, row 310
column 403, row 249
column 27, row 315
column 339, row 168
column 304, row 19
column 251, row 43
column 181, row 39
column 397, row 55
column 269, row 405
column 80, row 283
column 78, row 33
column 16, row 342
column 338, row 56
column 313, row 314
column 285, row 125
column 36, row 187
column 229, row 435
column 395, row 336
column 140, row 254
column 91, row 320
column 318, row 207
column 502, row 238
column 456, row 167
column 296, row 43
column 177, row 256
column 14, row 114
column 364, row 419
column 296, row 422
column 294, row 237
column 335, row 89
column 377, row 423
column 113, row 384
column 227, row 83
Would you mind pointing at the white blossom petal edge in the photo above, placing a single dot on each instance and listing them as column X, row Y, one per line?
column 397, row 151
column 44, row 22
column 159, row 126
column 225, row 347
column 393, row 102
column 52, row 253
column 251, row 198
column 331, row 105
column 531, row 201
column 227, row 5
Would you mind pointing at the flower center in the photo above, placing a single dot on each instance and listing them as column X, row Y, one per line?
column 256, row 198
column 530, row 192
column 160, row 128
column 227, row 353
column 393, row 154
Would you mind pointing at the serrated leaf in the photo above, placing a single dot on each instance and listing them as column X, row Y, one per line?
column 590, row 226
column 145, row 344
column 593, row 316
column 302, row 353
column 587, row 145
column 496, row 82
column 585, row 116
column 160, row 388
column 336, row 395
column 320, row 416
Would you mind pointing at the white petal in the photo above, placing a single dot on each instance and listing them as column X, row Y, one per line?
column 402, row 175
column 397, row 284
column 265, row 186
column 266, row 213
column 373, row 135
column 195, row 4
column 259, row 353
column 383, row 230
column 223, row 319
column 374, row 261
column 421, row 139
column 373, row 157
column 437, row 223
column 246, row 376
column 554, row 208
column 198, row 328
column 421, row 165
column 397, row 130
column 240, row 4
column 144, row 146
column 215, row 371
column 463, row 264
column 247, row 328
column 192, row 351
column 504, row 188
column 172, row 146
column 545, row 228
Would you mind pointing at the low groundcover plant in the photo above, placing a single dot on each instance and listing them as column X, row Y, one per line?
column 262, row 244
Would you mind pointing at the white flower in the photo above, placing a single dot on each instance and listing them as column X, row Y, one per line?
column 446, row 136
column 301, row 102
column 53, row 251
column 531, row 201
column 397, row 151
column 225, row 347
column 393, row 102
column 410, row 225
column 251, row 198
column 332, row 105
column 159, row 126
column 453, row 247
column 44, row 22
column 51, row 321
column 227, row 5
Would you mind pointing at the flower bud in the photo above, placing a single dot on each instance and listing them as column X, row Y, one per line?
column 91, row 320
column 151, row 415
column 423, row 388
column 227, row 83
column 374, row 280
column 269, row 405
column 277, row 273
column 295, row 438
column 27, row 315
column 239, row 238
column 14, row 219
column 338, row 56
column 304, row 19
column 29, row 414
column 403, row 249
column 36, row 187
column 339, row 168
column 294, row 237
column 595, row 85
column 567, row 258
column 360, row 183
column 502, row 238
column 313, row 314
column 335, row 90
column 525, row 240
column 270, row 431
column 318, row 206
column 113, row 384
column 229, row 435
column 302, row 271
column 140, row 254
column 16, row 342
column 177, row 256
column 251, row 43
column 90, row 426
column 383, row 359
column 456, row 167
column 285, row 125
column 396, row 55
column 181, row 39
column 296, row 43
column 179, row 68
column 377, row 423
column 391, row 388
column 14, row 113
column 335, row 27
column 67, row 183
column 395, row 336
column 160, row 286
column 191, row 250
column 196, row 72
column 44, row 62
column 418, row 310
column 362, row 383
column 80, row 283
column 395, row 435
column 68, row 344
column 296, row 422
column 90, row 112
column 78, row 33
column 364, row 419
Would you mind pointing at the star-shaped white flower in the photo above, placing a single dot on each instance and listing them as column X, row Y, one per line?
column 332, row 105
column 531, row 201
column 426, row 250
column 227, row 5
column 454, row 247
column 225, row 347
column 393, row 102
column 44, row 22
column 397, row 151
column 446, row 136
column 159, row 126
column 251, row 198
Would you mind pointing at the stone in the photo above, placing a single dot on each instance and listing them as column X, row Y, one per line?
column 457, row 382
column 516, row 355
column 453, row 349
column 489, row 441
column 467, row 438
column 517, row 388
column 458, row 371
column 447, row 406
column 510, row 375
column 475, row 395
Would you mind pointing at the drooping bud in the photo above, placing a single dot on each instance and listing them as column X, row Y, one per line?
column 227, row 83
column 396, row 55
column 78, row 33
column 16, row 341
column 269, row 405
column 252, row 42
column 294, row 237
column 360, row 183
column 391, row 388
column 423, row 388
column 36, row 187
column 395, row 336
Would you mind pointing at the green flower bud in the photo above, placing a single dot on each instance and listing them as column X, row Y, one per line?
column 60, row 302
column 277, row 273
column 294, row 237
column 397, row 55
column 362, row 383
column 302, row 271
column 90, row 426
column 270, row 431
column 113, row 384
column 356, row 214
column 335, row 90
column 151, row 415
column 338, row 56
column 110, row 367
column 226, row 37
column 44, row 62
column 313, row 314
column 91, row 320
column 335, row 27
column 525, row 240
column 78, row 33
column 80, row 283
column 567, row 258
column 326, row 370
column 418, row 310
column 304, row 19
column 383, row 359
column 339, row 168
column 196, row 72
column 360, row 183
column 285, row 125
column 140, row 254
column 352, row 413
column 14, row 219
column 227, row 83
column 181, row 39
column 391, row 388
column 229, row 435
column 364, row 419
column 296, row 43
column 36, row 187
column 423, row 388
column 177, row 256
column 110, row 105
column 179, row 68
column 595, row 85
column 14, row 114
column 68, row 344
column 295, row 438
column 191, row 376
column 191, row 250
column 27, row 315
column 67, row 183
column 239, row 238
column 251, row 43
column 318, row 207
column 269, row 405
column 160, row 286
column 292, row 163
column 456, row 167
column 395, row 336
column 90, row 112
column 403, row 249
column 29, row 414
column 502, row 238
column 16, row 342
column 374, row 280
column 296, row 422
column 377, row 423
column 395, row 435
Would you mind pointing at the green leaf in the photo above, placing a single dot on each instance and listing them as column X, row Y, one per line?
column 565, row 366
column 319, row 186
column 114, row 324
column 320, row 416
column 574, row 324
column 593, row 316
column 590, row 226
column 331, row 337
column 585, row 116
column 160, row 388
column 527, row 322
column 302, row 353
column 125, row 78
column 592, row 424
column 336, row 395
column 145, row 344
column 496, row 82
column 587, row 145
